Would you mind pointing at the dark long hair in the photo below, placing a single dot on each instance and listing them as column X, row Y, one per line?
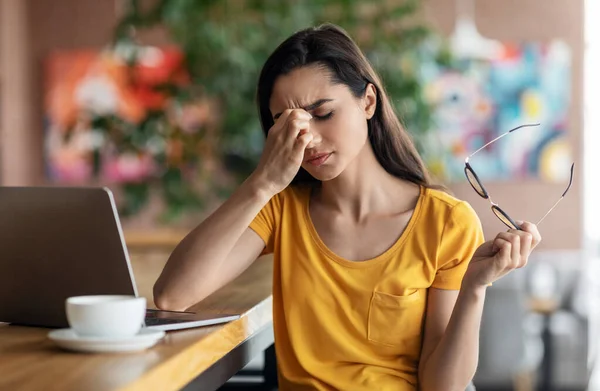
column 331, row 47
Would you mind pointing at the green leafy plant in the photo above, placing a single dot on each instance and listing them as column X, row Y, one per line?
column 224, row 44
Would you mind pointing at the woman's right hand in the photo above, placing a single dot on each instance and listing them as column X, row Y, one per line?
column 284, row 150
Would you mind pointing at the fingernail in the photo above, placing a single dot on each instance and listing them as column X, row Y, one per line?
column 520, row 222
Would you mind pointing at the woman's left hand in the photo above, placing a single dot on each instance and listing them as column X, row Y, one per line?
column 495, row 258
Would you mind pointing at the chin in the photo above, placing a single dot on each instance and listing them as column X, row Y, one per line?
column 323, row 174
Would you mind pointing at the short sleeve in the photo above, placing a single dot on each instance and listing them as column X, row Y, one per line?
column 265, row 223
column 461, row 236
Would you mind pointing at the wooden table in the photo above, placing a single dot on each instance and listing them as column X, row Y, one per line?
column 201, row 358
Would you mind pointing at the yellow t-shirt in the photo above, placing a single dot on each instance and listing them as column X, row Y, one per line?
column 344, row 325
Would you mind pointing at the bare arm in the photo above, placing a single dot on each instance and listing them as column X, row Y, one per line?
column 451, row 344
column 451, row 341
column 195, row 269
column 223, row 246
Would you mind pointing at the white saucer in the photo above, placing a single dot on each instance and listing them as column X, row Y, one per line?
column 67, row 339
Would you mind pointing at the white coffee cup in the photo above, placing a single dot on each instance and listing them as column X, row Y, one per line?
column 108, row 316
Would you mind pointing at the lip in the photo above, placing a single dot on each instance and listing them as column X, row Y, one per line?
column 318, row 159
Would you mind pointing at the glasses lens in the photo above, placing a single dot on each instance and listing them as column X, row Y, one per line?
column 474, row 181
column 504, row 218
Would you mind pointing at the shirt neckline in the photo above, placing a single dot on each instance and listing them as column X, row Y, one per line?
column 369, row 262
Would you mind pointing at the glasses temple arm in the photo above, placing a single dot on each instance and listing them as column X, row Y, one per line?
column 491, row 142
column 550, row 210
column 499, row 137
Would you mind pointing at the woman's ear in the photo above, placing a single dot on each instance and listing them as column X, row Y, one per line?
column 370, row 100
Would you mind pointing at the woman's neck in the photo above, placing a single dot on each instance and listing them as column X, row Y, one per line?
column 365, row 187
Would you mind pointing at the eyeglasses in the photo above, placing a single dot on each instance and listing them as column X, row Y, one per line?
column 480, row 189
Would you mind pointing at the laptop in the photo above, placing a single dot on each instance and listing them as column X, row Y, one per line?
column 57, row 242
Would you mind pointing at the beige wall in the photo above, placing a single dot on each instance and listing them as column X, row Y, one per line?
column 16, row 123
column 540, row 20
column 68, row 24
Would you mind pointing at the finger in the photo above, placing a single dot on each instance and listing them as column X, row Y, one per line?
column 515, row 250
column 301, row 142
column 533, row 230
column 298, row 124
column 502, row 257
column 487, row 249
column 281, row 122
column 298, row 114
column 295, row 126
column 525, row 240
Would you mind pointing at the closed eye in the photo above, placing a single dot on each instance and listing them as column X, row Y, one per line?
column 323, row 117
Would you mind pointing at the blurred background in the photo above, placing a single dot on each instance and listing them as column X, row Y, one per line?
column 155, row 99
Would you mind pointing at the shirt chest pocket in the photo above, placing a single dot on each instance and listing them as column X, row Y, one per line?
column 397, row 320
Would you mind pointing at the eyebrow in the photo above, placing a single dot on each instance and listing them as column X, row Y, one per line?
column 310, row 107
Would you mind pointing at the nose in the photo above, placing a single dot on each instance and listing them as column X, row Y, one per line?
column 316, row 140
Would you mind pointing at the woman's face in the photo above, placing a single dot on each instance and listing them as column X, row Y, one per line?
column 339, row 123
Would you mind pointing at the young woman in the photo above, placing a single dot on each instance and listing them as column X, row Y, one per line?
column 379, row 278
